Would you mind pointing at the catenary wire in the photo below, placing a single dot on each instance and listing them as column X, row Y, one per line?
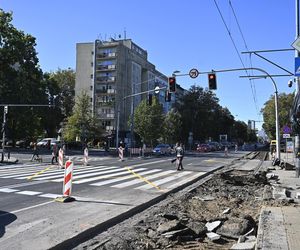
column 236, row 49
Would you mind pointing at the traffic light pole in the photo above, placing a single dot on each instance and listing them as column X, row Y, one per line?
column 275, row 92
column 297, row 54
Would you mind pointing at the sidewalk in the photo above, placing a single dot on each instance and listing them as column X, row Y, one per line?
column 279, row 227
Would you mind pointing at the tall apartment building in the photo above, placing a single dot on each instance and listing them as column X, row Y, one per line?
column 110, row 71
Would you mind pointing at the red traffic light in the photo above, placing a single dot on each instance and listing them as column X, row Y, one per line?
column 212, row 81
column 172, row 84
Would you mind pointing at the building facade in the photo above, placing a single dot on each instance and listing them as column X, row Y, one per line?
column 111, row 72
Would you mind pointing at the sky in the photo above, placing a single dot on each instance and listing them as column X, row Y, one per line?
column 178, row 36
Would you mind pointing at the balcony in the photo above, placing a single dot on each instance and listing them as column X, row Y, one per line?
column 105, row 104
column 106, row 91
column 106, row 67
column 101, row 79
column 106, row 55
column 106, row 116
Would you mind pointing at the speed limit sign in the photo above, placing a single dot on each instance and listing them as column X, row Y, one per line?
column 193, row 73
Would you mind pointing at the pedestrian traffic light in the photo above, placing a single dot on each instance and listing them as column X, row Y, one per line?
column 150, row 99
column 172, row 84
column 212, row 81
column 167, row 96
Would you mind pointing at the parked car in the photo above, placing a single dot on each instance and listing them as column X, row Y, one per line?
column 47, row 142
column 162, row 149
column 203, row 148
column 23, row 143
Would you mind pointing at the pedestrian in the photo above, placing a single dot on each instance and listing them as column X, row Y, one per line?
column 54, row 154
column 235, row 148
column 226, row 151
column 179, row 156
column 35, row 154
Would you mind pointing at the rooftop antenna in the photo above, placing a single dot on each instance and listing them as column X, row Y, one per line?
column 124, row 33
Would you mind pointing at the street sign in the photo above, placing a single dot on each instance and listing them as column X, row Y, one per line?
column 296, row 44
column 286, row 136
column 193, row 73
column 156, row 90
column 297, row 66
column 286, row 129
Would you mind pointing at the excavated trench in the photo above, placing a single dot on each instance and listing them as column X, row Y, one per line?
column 215, row 215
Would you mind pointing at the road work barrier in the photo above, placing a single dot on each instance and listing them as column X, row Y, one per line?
column 67, row 184
column 61, row 158
column 121, row 153
column 85, row 156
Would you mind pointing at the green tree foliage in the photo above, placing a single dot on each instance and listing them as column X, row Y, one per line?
column 148, row 121
column 20, row 79
column 285, row 103
column 202, row 115
column 172, row 126
column 81, row 123
column 65, row 80
column 240, row 131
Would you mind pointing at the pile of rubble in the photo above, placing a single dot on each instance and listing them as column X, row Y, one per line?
column 222, row 213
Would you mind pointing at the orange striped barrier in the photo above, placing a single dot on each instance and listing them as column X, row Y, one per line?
column 61, row 158
column 85, row 156
column 67, row 185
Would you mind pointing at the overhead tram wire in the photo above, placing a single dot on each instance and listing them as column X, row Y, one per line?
column 236, row 49
column 246, row 47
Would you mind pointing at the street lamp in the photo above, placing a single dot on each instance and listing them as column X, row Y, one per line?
column 175, row 72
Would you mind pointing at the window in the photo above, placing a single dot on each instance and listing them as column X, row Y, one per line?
column 91, row 76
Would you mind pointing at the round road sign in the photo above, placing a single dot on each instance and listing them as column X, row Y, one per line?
column 156, row 90
column 193, row 73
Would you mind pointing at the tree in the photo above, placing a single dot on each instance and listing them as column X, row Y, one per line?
column 172, row 126
column 148, row 121
column 285, row 103
column 20, row 79
column 65, row 80
column 82, row 123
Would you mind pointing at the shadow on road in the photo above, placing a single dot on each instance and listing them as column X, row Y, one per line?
column 5, row 219
column 102, row 202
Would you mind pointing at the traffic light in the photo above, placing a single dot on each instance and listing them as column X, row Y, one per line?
column 167, row 96
column 212, row 81
column 172, row 84
column 150, row 99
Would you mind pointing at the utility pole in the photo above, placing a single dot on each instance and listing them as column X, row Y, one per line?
column 297, row 137
column 5, row 111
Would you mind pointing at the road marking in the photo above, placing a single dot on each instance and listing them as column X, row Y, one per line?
column 102, row 183
column 29, row 192
column 177, row 184
column 51, row 196
column 8, row 190
column 27, row 208
column 105, row 176
column 142, row 178
column 165, row 180
column 88, row 174
column 136, row 181
column 38, row 173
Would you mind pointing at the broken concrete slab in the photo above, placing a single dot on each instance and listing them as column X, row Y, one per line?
column 244, row 246
column 213, row 236
column 212, row 225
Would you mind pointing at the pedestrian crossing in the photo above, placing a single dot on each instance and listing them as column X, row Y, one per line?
column 139, row 177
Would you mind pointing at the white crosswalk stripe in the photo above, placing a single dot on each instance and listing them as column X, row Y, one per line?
column 140, row 178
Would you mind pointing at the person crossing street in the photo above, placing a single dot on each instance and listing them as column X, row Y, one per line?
column 179, row 156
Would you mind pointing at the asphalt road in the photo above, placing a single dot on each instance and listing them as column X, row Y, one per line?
column 106, row 188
